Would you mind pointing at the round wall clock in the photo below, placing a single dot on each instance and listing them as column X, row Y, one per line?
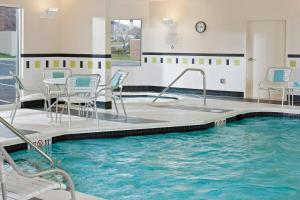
column 200, row 27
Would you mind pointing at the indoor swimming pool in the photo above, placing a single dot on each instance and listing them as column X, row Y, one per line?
column 255, row 158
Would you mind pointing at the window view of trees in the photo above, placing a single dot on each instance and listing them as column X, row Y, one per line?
column 126, row 42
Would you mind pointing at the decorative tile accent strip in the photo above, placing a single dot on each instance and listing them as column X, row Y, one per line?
column 219, row 61
column 108, row 65
column 154, row 60
column 56, row 63
column 37, row 64
column 90, row 64
column 227, row 62
column 237, row 62
column 72, row 64
column 27, row 64
column 293, row 63
column 201, row 61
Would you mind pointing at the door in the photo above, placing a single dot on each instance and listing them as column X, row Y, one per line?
column 9, row 52
column 266, row 47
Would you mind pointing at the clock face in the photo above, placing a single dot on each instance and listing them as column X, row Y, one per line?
column 201, row 27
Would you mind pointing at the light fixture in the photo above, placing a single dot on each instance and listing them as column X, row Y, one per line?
column 169, row 22
column 49, row 13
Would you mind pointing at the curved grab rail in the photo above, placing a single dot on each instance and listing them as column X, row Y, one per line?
column 5, row 156
column 185, row 71
column 25, row 139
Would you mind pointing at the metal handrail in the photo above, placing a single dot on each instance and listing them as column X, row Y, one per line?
column 185, row 71
column 26, row 140
column 52, row 170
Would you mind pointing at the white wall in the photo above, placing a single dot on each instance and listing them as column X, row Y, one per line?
column 226, row 33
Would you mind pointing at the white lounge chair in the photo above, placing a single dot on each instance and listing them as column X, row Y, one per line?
column 21, row 97
column 55, row 91
column 277, row 79
column 19, row 185
column 80, row 89
column 115, row 86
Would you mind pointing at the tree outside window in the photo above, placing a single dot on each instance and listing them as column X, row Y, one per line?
column 126, row 42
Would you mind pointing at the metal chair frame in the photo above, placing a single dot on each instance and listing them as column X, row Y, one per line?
column 270, row 85
column 114, row 84
column 20, row 88
column 85, row 95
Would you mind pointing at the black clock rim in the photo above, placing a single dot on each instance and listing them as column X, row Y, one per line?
column 204, row 26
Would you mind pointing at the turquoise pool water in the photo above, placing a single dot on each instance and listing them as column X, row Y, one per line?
column 257, row 158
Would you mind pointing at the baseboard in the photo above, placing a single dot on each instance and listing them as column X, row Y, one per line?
column 182, row 91
column 40, row 104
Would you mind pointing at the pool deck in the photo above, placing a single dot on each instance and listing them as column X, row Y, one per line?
column 63, row 195
column 181, row 113
column 186, row 112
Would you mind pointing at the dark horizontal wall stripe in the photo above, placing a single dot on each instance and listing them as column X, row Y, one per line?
column 40, row 104
column 66, row 55
column 294, row 55
column 192, row 54
column 147, row 88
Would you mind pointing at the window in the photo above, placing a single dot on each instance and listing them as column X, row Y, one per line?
column 126, row 42
column 9, row 52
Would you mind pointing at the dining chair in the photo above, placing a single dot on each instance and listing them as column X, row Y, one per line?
column 80, row 90
column 115, row 86
column 21, row 97
column 277, row 79
column 55, row 91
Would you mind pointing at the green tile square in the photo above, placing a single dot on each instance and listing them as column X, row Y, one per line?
column 154, row 60
column 185, row 61
column 201, row 61
column 90, row 64
column 237, row 62
column 219, row 61
column 56, row 63
column 169, row 60
column 293, row 63
column 108, row 65
column 37, row 64
column 73, row 64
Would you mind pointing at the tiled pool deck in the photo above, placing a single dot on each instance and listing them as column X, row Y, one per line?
column 184, row 114
column 181, row 113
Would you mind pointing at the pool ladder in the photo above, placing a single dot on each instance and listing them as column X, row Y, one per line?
column 184, row 72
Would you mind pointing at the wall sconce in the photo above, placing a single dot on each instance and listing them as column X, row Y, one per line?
column 169, row 22
column 49, row 13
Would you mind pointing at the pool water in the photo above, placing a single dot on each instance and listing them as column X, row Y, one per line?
column 256, row 158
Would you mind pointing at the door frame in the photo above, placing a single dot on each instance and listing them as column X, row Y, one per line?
column 19, row 35
column 249, row 70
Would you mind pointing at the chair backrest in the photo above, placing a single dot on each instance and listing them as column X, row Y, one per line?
column 57, row 73
column 18, row 82
column 279, row 75
column 118, row 79
column 82, row 84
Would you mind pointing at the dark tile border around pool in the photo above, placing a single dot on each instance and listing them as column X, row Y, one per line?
column 152, row 131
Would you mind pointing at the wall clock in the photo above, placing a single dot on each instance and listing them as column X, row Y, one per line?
column 200, row 27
